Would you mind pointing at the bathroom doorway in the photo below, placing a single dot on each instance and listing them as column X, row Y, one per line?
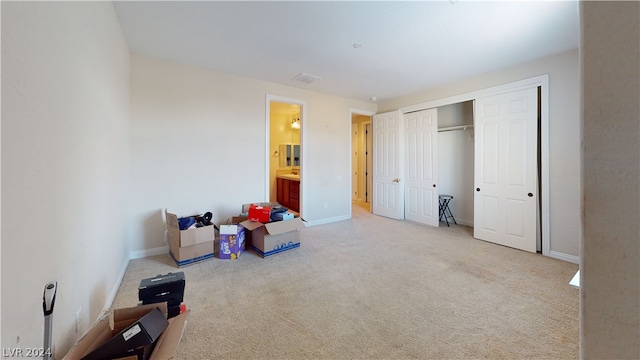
column 285, row 118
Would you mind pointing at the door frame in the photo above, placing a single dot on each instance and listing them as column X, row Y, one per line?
column 303, row 136
column 351, row 113
column 541, row 81
column 363, row 141
column 368, row 160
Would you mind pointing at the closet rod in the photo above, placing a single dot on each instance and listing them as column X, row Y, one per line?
column 452, row 128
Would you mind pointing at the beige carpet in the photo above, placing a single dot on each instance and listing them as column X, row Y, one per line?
column 375, row 288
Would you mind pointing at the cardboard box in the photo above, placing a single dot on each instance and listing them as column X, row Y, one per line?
column 243, row 216
column 191, row 245
column 261, row 213
column 118, row 321
column 236, row 220
column 135, row 338
column 275, row 237
column 232, row 241
column 188, row 255
column 191, row 236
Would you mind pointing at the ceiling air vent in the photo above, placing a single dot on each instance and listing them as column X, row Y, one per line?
column 306, row 78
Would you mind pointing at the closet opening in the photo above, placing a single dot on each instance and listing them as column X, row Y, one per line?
column 456, row 159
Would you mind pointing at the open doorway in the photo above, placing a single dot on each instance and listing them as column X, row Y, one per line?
column 361, row 160
column 285, row 161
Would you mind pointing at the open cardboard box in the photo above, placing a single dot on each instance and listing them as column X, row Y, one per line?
column 112, row 323
column 275, row 237
column 190, row 245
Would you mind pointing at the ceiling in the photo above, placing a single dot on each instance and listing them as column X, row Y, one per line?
column 357, row 49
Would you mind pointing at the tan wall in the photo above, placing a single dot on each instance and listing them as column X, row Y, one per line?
column 610, row 284
column 65, row 166
column 193, row 128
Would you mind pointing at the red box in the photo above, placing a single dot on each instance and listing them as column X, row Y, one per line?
column 259, row 213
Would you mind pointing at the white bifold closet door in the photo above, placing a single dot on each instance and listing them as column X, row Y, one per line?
column 421, row 144
column 506, row 169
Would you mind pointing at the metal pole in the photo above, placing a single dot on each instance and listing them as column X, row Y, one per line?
column 47, row 337
column 48, row 301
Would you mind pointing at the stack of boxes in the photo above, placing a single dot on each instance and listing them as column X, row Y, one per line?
column 167, row 288
column 268, row 237
column 190, row 245
column 267, row 228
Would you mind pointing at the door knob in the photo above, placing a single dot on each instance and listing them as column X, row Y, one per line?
column 530, row 194
column 396, row 180
column 477, row 189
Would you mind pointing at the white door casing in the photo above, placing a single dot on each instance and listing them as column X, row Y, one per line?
column 506, row 195
column 303, row 141
column 388, row 189
column 421, row 191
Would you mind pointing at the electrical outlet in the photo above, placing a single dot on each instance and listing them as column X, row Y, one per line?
column 78, row 319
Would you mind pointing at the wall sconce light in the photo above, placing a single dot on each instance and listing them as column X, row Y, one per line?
column 295, row 123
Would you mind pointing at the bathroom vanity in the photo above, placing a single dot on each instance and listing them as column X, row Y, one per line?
column 288, row 191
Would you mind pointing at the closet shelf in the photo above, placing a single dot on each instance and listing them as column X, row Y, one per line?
column 452, row 128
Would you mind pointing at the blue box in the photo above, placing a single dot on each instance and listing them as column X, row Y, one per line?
column 279, row 216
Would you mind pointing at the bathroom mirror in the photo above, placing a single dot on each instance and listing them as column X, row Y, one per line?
column 286, row 158
column 296, row 155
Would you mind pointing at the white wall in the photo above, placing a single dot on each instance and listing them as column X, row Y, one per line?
column 610, row 261
column 65, row 149
column 198, row 144
column 564, row 136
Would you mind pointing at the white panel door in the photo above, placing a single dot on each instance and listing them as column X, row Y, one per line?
column 388, row 194
column 506, row 168
column 421, row 192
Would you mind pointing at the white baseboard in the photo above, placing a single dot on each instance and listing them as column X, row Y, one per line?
column 116, row 286
column 133, row 255
column 565, row 257
column 149, row 252
column 327, row 221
